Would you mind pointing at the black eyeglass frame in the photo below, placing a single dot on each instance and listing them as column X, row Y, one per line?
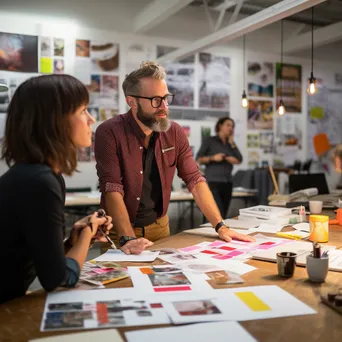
column 162, row 98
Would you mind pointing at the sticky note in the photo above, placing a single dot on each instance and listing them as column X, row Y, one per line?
column 46, row 66
column 317, row 113
column 252, row 301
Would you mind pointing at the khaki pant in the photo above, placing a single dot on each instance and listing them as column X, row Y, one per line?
column 153, row 232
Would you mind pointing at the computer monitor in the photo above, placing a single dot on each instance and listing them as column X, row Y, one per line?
column 311, row 180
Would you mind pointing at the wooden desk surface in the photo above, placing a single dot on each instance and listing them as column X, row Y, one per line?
column 93, row 198
column 20, row 319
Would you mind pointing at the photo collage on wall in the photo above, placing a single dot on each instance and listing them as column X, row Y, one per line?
column 214, row 81
column 52, row 59
column 180, row 78
column 97, row 65
column 261, row 112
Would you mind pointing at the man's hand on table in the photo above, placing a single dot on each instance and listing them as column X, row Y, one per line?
column 227, row 234
column 136, row 246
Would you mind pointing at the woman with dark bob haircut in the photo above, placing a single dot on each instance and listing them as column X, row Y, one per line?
column 47, row 120
column 219, row 153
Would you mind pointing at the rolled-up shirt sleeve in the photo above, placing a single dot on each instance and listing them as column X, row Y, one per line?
column 107, row 161
column 187, row 167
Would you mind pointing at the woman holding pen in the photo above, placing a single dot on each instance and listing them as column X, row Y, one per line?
column 47, row 120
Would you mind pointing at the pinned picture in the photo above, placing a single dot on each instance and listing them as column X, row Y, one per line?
column 18, row 52
column 58, row 66
column 260, row 114
column 58, row 47
column 104, row 56
column 82, row 48
column 260, row 79
column 45, row 47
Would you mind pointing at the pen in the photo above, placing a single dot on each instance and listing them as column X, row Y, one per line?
column 289, row 236
column 102, row 213
column 316, row 250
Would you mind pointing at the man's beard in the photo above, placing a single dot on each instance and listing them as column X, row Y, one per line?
column 152, row 122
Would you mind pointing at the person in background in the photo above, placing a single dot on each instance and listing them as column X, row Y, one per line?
column 338, row 158
column 219, row 153
column 47, row 120
column 137, row 154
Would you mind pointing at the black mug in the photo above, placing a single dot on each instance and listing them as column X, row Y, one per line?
column 286, row 262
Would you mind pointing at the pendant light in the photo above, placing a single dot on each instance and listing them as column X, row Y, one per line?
column 312, row 88
column 244, row 100
column 281, row 108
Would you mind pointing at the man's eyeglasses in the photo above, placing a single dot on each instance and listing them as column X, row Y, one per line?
column 156, row 101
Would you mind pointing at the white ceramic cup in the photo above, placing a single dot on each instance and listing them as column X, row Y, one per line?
column 315, row 207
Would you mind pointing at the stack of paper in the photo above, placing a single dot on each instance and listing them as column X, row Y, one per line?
column 265, row 212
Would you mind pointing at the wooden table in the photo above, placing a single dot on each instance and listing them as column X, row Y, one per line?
column 20, row 319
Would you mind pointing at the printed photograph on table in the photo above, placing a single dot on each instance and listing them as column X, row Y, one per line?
column 169, row 279
column 58, row 66
column 260, row 79
column 289, row 83
column 104, row 56
column 18, row 52
column 260, row 114
column 45, row 46
column 58, row 47
column 252, row 140
column 82, row 48
column 180, row 78
column 214, row 81
column 196, row 307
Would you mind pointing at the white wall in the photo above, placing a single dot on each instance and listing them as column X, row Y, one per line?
column 264, row 40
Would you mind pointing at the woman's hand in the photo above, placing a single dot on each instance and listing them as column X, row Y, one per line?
column 96, row 222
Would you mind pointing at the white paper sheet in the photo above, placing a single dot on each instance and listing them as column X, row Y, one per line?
column 231, row 223
column 117, row 255
column 257, row 302
column 335, row 260
column 108, row 335
column 202, row 332
column 303, row 226
column 267, row 228
column 100, row 309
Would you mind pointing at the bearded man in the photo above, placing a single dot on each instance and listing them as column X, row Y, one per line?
column 137, row 154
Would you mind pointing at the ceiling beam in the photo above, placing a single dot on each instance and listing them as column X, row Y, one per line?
column 236, row 12
column 322, row 36
column 251, row 23
column 156, row 12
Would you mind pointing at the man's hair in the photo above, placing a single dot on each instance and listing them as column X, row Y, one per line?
column 38, row 128
column 131, row 84
column 221, row 121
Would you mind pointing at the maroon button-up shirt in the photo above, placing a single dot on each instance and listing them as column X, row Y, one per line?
column 119, row 150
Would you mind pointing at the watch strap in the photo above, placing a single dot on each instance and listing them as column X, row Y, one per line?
column 219, row 225
column 124, row 239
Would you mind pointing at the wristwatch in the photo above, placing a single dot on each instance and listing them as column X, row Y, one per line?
column 124, row 239
column 219, row 225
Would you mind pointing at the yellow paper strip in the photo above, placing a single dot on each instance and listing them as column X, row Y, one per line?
column 252, row 301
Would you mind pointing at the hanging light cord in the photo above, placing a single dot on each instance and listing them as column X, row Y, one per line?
column 281, row 61
column 244, row 61
column 312, row 38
